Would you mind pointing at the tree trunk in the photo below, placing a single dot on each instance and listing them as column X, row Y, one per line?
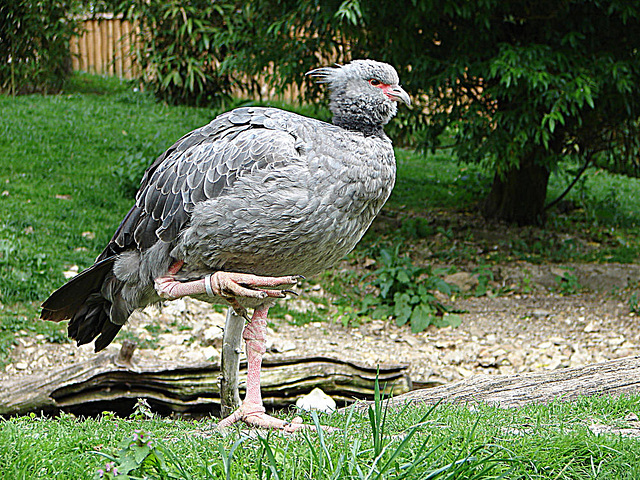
column 614, row 377
column 115, row 382
column 519, row 195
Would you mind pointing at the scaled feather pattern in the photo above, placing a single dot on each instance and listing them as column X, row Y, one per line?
column 258, row 190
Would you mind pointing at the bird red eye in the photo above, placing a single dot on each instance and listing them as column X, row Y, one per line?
column 374, row 82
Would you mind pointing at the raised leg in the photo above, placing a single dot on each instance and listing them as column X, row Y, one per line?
column 252, row 411
column 227, row 285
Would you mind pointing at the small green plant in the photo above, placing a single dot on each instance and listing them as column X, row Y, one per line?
column 57, row 336
column 485, row 276
column 141, row 410
column 377, row 419
column 568, row 283
column 526, row 284
column 416, row 227
column 348, row 316
column 634, row 303
column 139, row 457
column 406, row 293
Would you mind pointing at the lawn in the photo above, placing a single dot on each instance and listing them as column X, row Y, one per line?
column 555, row 441
column 68, row 166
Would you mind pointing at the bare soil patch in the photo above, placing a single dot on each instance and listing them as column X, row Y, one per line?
column 514, row 333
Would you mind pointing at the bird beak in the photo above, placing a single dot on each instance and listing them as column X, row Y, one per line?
column 399, row 95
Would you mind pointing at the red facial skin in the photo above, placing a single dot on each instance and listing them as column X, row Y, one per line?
column 385, row 87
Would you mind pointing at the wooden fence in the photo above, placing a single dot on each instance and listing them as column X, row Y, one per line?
column 104, row 46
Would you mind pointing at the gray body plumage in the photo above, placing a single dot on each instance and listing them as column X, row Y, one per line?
column 264, row 191
column 257, row 190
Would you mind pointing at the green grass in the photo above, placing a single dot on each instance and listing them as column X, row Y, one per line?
column 428, row 182
column 534, row 442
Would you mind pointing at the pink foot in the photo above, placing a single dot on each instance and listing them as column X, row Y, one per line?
column 252, row 411
column 223, row 284
column 254, row 415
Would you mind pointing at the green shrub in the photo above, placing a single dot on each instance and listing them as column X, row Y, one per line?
column 177, row 49
column 406, row 293
column 34, row 45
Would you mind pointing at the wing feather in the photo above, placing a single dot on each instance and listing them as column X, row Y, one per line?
column 202, row 165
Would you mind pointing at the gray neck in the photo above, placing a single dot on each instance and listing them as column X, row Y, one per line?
column 364, row 115
column 362, row 125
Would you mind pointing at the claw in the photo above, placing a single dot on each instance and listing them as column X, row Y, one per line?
column 291, row 292
column 239, row 309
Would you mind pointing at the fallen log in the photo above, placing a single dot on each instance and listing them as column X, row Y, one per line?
column 111, row 382
column 614, row 378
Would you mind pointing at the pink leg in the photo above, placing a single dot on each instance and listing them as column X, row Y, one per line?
column 252, row 411
column 230, row 285
column 223, row 284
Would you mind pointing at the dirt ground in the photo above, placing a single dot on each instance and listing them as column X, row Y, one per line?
column 540, row 330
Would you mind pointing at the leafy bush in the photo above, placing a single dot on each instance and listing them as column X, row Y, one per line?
column 177, row 48
column 34, row 45
column 406, row 293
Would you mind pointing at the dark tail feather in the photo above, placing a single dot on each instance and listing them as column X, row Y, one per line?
column 65, row 302
column 81, row 301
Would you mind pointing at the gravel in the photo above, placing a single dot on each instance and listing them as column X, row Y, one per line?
column 507, row 334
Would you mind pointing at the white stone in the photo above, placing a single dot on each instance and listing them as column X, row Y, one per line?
column 592, row 327
column 316, row 400
column 175, row 307
column 210, row 352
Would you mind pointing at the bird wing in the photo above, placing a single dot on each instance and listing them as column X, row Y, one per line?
column 200, row 166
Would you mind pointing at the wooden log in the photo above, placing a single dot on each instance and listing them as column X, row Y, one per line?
column 614, row 377
column 113, row 382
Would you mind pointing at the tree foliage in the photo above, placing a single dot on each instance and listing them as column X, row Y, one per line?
column 178, row 48
column 34, row 45
column 517, row 85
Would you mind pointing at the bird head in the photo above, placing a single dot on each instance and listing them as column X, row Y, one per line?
column 363, row 93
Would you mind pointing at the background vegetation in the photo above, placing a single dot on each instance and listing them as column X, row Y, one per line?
column 179, row 51
column 521, row 92
column 34, row 45
column 70, row 165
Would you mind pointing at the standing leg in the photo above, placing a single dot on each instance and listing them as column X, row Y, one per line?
column 252, row 411
column 230, row 286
